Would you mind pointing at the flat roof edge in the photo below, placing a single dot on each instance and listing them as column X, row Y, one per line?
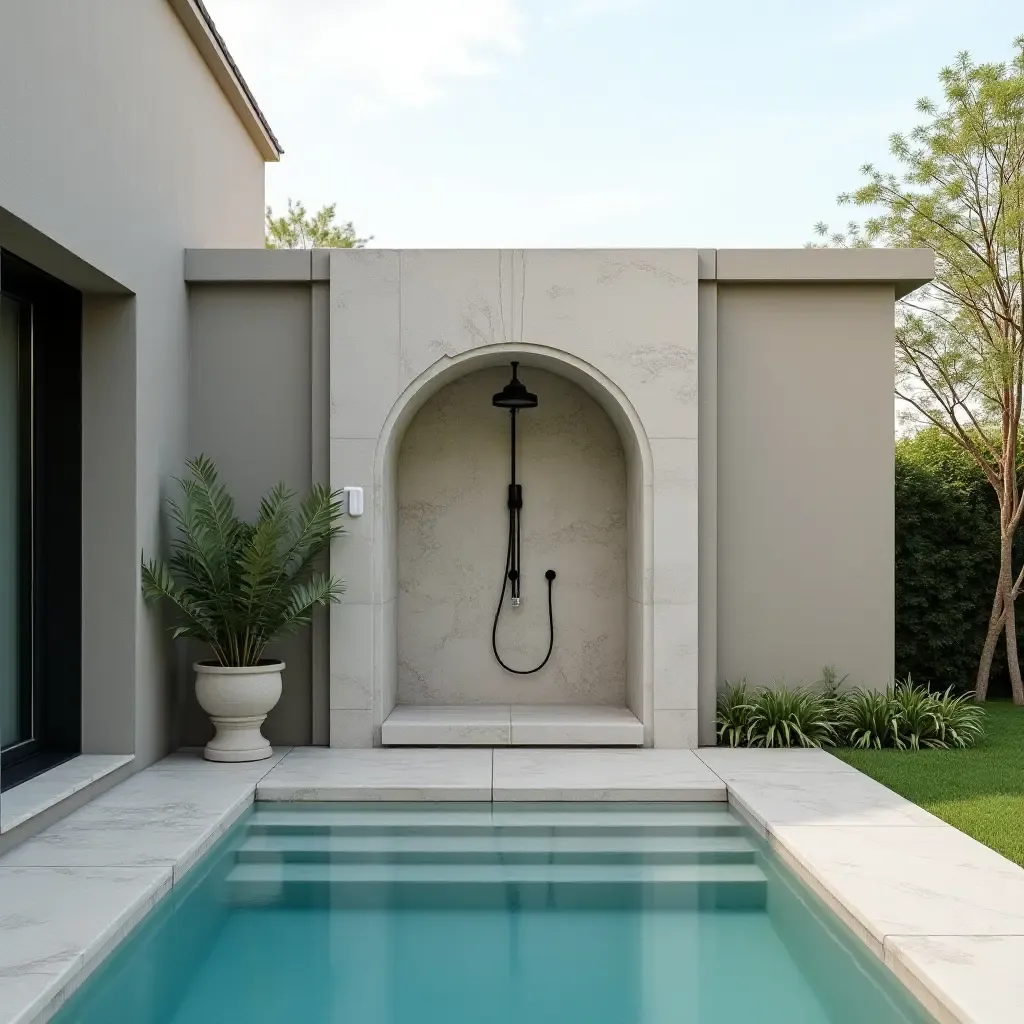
column 199, row 25
column 905, row 269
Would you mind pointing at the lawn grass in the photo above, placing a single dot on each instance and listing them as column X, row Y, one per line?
column 979, row 791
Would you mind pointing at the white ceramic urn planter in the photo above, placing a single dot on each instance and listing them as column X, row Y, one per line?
column 238, row 701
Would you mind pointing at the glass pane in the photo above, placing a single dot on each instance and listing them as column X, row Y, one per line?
column 14, row 719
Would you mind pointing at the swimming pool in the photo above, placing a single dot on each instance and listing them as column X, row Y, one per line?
column 398, row 913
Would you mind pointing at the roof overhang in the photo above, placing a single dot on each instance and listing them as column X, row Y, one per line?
column 904, row 269
column 208, row 41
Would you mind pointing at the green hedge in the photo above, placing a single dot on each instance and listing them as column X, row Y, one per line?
column 947, row 557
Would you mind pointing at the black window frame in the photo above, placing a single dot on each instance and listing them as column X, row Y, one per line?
column 50, row 520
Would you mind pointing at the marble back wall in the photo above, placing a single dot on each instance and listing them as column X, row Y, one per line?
column 453, row 474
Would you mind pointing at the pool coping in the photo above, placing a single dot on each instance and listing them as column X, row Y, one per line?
column 24, row 802
column 945, row 913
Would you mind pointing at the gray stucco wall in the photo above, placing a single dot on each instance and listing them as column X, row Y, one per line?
column 453, row 474
column 805, row 482
column 249, row 396
column 119, row 150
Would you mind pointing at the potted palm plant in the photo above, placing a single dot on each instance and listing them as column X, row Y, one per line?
column 239, row 586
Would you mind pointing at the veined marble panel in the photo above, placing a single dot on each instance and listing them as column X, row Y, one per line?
column 453, row 479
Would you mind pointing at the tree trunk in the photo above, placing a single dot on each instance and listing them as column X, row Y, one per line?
column 988, row 651
column 1010, row 619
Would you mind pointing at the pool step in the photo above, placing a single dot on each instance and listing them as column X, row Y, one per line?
column 484, row 848
column 546, row 885
column 335, row 820
column 473, row 855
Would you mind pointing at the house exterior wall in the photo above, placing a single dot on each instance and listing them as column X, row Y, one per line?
column 805, row 515
column 119, row 150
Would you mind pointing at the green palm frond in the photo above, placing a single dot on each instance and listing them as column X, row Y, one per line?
column 238, row 586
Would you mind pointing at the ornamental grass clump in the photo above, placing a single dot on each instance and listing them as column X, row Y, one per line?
column 784, row 717
column 732, row 720
column 961, row 721
column 868, row 720
column 832, row 694
column 904, row 717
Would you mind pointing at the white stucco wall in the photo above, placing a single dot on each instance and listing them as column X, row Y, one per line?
column 117, row 151
column 453, row 474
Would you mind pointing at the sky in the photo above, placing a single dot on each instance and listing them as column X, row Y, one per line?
column 519, row 123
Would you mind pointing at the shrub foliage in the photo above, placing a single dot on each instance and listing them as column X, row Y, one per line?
column 947, row 560
column 904, row 717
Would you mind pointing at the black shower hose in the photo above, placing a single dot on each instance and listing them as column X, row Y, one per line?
column 550, row 577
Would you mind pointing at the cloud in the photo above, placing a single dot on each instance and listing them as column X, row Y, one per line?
column 369, row 54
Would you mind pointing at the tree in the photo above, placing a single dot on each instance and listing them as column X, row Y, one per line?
column 298, row 230
column 960, row 340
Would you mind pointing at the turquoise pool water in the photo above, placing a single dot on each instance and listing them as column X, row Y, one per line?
column 481, row 914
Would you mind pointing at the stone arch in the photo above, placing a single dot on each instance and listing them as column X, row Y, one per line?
column 639, row 514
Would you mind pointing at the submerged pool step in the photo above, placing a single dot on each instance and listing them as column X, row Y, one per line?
column 545, row 886
column 583, row 822
column 536, row 856
column 506, row 848
column 498, row 874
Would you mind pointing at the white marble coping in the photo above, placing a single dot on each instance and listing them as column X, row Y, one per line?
column 69, row 894
column 943, row 911
column 408, row 773
column 33, row 797
column 555, row 774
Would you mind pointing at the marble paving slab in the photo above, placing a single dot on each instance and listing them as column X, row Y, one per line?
column 977, row 977
column 69, row 894
column 33, row 797
column 53, row 921
column 899, row 880
column 168, row 815
column 413, row 773
column 727, row 761
column 557, row 774
column 829, row 798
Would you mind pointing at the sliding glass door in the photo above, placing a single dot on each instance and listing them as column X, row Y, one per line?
column 16, row 706
column 40, row 520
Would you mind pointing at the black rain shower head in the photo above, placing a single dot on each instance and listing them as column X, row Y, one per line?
column 514, row 394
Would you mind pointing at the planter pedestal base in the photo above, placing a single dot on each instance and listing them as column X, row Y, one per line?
column 238, row 739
